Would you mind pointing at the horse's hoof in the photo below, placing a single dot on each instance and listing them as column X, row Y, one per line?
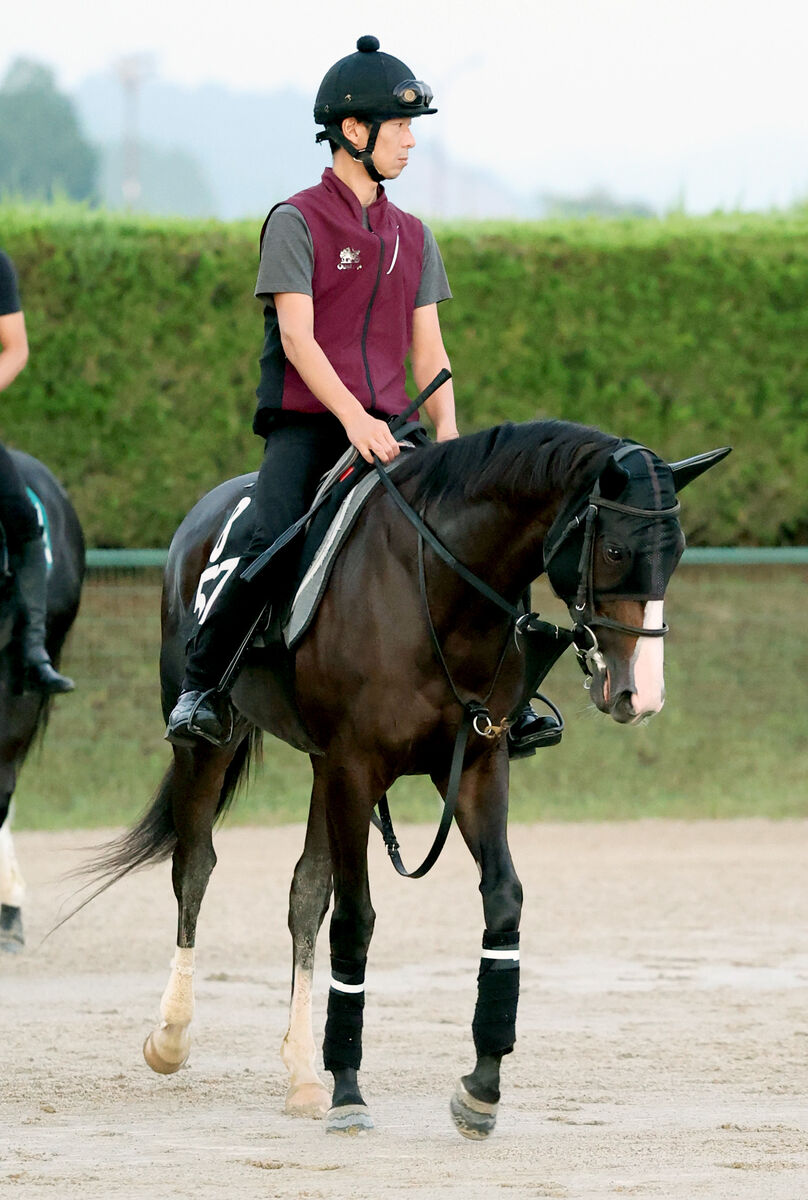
column 307, row 1100
column 173, row 1056
column 350, row 1119
column 473, row 1118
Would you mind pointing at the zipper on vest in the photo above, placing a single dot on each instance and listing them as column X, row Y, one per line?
column 367, row 321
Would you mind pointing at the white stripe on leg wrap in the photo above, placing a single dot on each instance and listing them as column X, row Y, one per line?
column 350, row 989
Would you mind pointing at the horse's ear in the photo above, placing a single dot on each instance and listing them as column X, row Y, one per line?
column 613, row 480
column 688, row 469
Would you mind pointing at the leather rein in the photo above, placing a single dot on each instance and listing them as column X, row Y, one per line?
column 475, row 712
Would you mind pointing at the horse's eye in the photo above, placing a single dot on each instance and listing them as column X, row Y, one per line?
column 613, row 554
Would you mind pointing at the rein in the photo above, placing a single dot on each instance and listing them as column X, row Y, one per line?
column 554, row 640
column 475, row 712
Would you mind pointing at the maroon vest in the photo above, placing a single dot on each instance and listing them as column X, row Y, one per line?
column 364, row 287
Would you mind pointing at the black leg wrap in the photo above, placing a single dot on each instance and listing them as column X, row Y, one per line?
column 494, row 1024
column 342, row 1045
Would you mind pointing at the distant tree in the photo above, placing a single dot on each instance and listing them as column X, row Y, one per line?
column 595, row 203
column 42, row 149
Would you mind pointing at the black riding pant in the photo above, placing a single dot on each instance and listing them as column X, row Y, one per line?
column 296, row 456
column 298, row 452
column 17, row 513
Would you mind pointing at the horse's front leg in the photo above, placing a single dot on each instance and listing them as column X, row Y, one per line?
column 350, row 796
column 482, row 815
column 191, row 791
column 12, row 887
column 308, row 903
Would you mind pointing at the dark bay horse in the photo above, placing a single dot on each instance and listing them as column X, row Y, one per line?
column 24, row 713
column 371, row 695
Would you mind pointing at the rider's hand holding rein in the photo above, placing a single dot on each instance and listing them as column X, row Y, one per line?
column 296, row 322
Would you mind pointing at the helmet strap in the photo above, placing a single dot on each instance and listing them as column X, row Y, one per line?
column 365, row 156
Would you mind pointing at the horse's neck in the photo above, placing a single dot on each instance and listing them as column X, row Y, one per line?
column 501, row 543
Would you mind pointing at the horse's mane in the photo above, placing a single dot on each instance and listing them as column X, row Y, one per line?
column 508, row 461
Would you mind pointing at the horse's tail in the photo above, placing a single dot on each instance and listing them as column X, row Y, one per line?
column 154, row 837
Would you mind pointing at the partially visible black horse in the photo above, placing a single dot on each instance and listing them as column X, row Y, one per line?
column 403, row 651
column 23, row 712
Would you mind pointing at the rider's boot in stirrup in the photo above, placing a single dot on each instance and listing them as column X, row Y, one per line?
column 39, row 673
column 203, row 708
column 530, row 732
column 200, row 713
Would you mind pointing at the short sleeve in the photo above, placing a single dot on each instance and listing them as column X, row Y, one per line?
column 287, row 255
column 434, row 285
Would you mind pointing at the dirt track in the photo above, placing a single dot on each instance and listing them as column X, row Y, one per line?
column 663, row 1026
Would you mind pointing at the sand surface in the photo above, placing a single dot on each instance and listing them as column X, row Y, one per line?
column 662, row 1036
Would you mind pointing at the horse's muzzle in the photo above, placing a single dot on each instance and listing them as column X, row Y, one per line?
column 623, row 710
column 624, row 705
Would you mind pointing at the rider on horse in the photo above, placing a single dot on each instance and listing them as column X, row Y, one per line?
column 18, row 517
column 350, row 285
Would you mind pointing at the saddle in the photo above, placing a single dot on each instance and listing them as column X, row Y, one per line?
column 341, row 495
column 324, row 539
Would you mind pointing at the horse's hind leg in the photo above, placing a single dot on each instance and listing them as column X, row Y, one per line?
column 195, row 783
column 12, row 887
column 308, row 903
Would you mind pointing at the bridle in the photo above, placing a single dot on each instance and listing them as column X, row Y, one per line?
column 582, row 634
column 554, row 638
column 589, row 655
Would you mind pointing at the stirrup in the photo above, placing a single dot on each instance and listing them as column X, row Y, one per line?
column 189, row 733
column 548, row 735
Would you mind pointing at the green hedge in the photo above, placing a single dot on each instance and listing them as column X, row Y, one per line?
column 683, row 333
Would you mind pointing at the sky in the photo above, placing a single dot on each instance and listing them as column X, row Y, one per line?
column 701, row 104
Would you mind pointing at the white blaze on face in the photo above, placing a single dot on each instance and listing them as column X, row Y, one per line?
column 649, row 684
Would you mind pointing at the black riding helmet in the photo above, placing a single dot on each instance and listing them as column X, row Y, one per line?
column 373, row 87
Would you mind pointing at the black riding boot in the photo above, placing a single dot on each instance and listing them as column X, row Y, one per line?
column 211, row 667
column 39, row 673
column 529, row 731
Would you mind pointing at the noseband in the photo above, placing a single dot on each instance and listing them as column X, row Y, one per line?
column 584, row 639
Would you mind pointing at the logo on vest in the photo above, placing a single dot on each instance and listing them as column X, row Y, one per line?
column 348, row 259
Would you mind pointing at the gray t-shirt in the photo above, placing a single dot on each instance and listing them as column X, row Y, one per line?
column 287, row 260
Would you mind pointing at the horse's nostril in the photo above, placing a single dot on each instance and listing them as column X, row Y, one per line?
column 622, row 710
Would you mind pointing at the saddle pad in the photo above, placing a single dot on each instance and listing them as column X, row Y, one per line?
column 322, row 541
column 44, row 529
column 44, row 525
column 311, row 588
